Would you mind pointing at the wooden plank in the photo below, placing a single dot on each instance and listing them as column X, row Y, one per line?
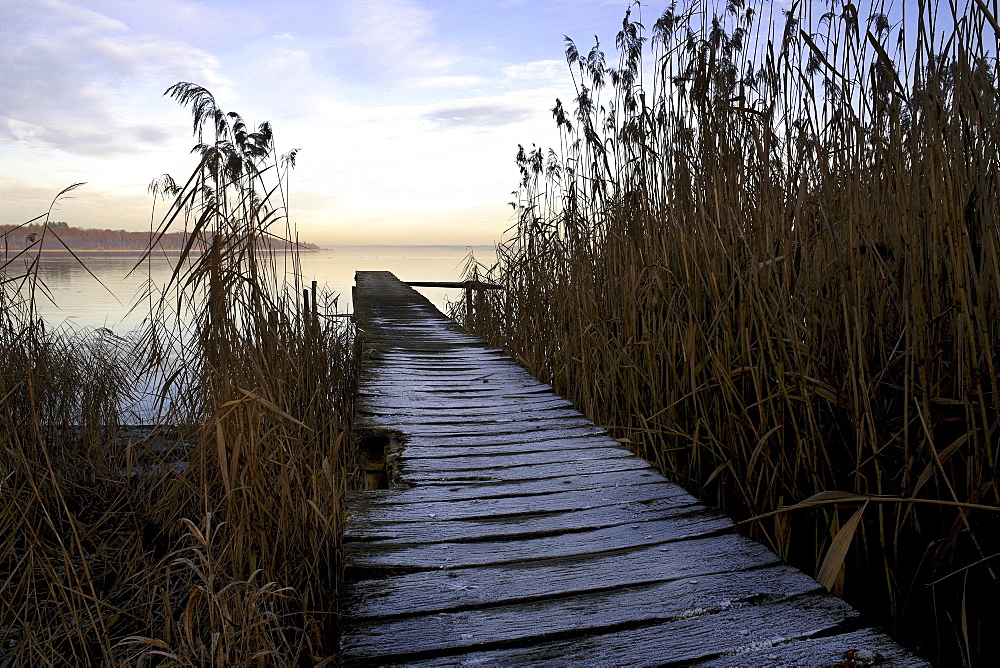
column 454, row 382
column 533, row 436
column 426, row 592
column 475, row 285
column 516, row 527
column 512, row 460
column 480, row 393
column 495, row 431
column 457, row 374
column 484, row 388
column 414, row 406
column 715, row 637
column 607, row 610
column 507, row 423
column 518, row 505
column 439, row 360
column 854, row 649
column 463, row 414
column 568, row 445
column 482, row 488
column 414, row 473
column 472, row 355
column 385, row 557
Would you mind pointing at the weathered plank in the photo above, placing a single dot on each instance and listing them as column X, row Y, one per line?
column 585, row 614
column 386, row 557
column 482, row 409
column 730, row 638
column 491, row 431
column 854, row 649
column 489, row 460
column 512, row 417
column 700, row 635
column 431, row 489
column 553, row 436
column 485, row 393
column 530, row 536
column 500, row 374
column 439, row 451
column 422, row 471
column 518, row 527
column 465, row 588
column 505, row 506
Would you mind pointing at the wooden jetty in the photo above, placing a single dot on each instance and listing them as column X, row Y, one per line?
column 516, row 532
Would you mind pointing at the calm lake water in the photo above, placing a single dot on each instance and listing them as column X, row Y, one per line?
column 79, row 299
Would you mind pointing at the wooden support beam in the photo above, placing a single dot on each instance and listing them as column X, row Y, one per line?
column 474, row 285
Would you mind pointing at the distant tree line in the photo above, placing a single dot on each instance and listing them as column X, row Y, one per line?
column 16, row 238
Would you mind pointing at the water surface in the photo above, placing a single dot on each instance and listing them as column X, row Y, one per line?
column 78, row 298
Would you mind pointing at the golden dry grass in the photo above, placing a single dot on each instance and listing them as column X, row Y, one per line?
column 766, row 254
column 113, row 552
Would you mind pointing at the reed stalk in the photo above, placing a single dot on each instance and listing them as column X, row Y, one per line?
column 213, row 536
column 765, row 255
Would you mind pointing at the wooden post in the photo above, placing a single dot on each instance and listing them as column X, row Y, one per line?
column 470, row 287
column 468, row 306
column 315, row 308
column 305, row 308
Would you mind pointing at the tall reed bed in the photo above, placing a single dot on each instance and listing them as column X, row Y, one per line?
column 764, row 254
column 213, row 536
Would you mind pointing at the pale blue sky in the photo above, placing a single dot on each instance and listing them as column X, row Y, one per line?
column 407, row 112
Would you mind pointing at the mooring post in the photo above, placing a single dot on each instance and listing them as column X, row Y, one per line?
column 305, row 308
column 470, row 286
column 468, row 305
column 315, row 308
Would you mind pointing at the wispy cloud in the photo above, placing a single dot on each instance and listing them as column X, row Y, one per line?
column 479, row 114
column 453, row 81
column 544, row 71
column 83, row 139
column 405, row 110
column 68, row 73
column 392, row 38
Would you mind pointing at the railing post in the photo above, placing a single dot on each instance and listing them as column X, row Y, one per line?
column 315, row 308
column 470, row 287
column 468, row 305
column 305, row 309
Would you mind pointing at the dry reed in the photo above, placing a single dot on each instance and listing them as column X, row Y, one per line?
column 765, row 254
column 212, row 537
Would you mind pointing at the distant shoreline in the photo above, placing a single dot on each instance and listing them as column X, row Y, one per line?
column 67, row 239
column 176, row 251
column 139, row 251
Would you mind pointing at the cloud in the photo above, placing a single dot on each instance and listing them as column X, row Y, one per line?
column 478, row 114
column 73, row 80
column 401, row 122
column 454, row 81
column 539, row 71
column 279, row 66
column 391, row 39
column 91, row 205
column 82, row 139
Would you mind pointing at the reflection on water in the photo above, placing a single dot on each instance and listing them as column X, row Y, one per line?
column 102, row 293
column 78, row 298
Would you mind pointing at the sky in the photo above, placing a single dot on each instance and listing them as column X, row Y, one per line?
column 407, row 113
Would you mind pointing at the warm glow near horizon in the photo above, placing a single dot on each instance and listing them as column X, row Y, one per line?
column 407, row 113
